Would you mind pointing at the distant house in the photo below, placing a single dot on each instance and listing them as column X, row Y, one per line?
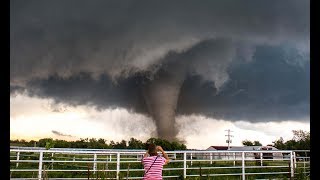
column 238, row 155
column 212, row 148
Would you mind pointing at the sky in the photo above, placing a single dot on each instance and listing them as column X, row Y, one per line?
column 142, row 69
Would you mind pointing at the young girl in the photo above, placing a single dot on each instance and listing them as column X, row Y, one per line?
column 153, row 163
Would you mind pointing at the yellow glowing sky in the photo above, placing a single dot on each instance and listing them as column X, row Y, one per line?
column 34, row 118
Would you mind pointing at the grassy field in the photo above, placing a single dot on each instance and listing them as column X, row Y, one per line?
column 107, row 169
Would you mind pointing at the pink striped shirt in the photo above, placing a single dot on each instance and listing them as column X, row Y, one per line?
column 155, row 172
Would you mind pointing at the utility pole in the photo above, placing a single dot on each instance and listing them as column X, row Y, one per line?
column 229, row 138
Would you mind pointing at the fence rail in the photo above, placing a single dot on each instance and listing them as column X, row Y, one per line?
column 126, row 164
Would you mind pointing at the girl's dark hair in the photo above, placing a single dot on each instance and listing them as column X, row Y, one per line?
column 152, row 150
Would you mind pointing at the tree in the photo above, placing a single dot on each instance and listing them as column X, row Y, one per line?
column 247, row 143
column 135, row 144
column 43, row 142
column 121, row 145
column 250, row 143
column 32, row 143
column 166, row 145
column 49, row 143
column 302, row 138
column 102, row 141
column 178, row 146
column 93, row 143
column 300, row 141
column 300, row 135
column 257, row 143
column 112, row 144
column 279, row 144
column 62, row 144
column 80, row 144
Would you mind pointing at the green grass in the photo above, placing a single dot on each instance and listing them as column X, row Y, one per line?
column 102, row 174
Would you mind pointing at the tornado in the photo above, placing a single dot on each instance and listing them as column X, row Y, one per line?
column 161, row 96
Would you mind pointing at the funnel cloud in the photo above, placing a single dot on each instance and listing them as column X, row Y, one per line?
column 229, row 60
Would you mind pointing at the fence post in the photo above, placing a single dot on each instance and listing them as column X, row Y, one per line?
column 234, row 157
column 184, row 165
column 294, row 159
column 40, row 165
column 128, row 171
column 94, row 163
column 191, row 159
column 261, row 157
column 291, row 164
column 243, row 169
column 51, row 160
column 88, row 170
column 210, row 158
column 118, row 164
column 18, row 157
column 304, row 166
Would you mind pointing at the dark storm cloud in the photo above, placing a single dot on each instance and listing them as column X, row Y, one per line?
column 123, row 37
column 264, row 89
column 60, row 134
column 82, row 89
column 163, row 57
column 16, row 90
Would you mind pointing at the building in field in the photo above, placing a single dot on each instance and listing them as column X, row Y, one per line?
column 222, row 152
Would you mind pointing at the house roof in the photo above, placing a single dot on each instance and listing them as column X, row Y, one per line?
column 238, row 148
column 245, row 148
column 219, row 147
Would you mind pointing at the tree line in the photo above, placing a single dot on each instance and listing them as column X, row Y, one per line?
column 300, row 141
column 100, row 143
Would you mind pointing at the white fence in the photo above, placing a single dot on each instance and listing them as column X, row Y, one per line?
column 126, row 164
